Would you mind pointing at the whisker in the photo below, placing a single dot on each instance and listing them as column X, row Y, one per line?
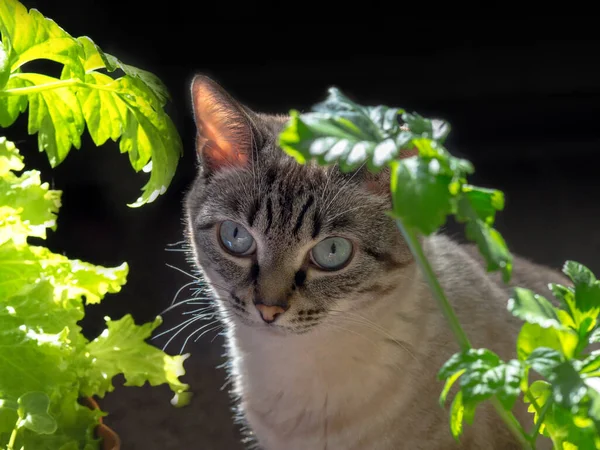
column 190, row 321
column 181, row 289
column 188, row 301
column 177, row 243
column 208, row 331
column 173, row 328
column 182, row 271
column 194, row 332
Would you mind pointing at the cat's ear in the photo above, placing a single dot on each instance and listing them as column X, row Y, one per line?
column 224, row 127
column 379, row 183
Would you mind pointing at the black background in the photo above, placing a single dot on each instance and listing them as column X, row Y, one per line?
column 522, row 98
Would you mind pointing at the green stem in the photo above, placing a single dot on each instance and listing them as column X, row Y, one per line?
column 438, row 292
column 417, row 250
column 512, row 423
column 540, row 421
column 54, row 85
column 13, row 438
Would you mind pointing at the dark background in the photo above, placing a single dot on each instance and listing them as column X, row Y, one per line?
column 522, row 102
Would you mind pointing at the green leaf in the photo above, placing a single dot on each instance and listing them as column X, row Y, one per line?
column 533, row 336
column 33, row 413
column 12, row 106
column 4, row 66
column 122, row 349
column 32, row 36
column 544, row 360
column 457, row 411
column 29, row 206
column 541, row 391
column 483, row 202
column 484, row 375
column 56, row 116
column 104, row 112
column 533, row 308
column 343, row 132
column 568, row 389
column 492, row 246
column 578, row 273
column 150, row 80
column 10, row 158
column 149, row 132
column 421, row 197
column 448, row 385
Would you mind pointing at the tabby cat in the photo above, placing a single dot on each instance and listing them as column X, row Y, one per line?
column 333, row 336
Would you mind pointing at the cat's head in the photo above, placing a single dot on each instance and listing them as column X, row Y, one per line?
column 285, row 246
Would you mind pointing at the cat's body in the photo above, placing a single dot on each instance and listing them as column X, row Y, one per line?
column 343, row 358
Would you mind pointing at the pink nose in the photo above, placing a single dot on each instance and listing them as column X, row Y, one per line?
column 269, row 313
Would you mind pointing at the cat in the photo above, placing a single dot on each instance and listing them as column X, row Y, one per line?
column 333, row 337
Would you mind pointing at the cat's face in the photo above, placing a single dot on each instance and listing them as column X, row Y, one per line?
column 285, row 246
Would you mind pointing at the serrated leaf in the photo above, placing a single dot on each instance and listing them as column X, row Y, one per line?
column 33, row 413
column 149, row 132
column 150, row 80
column 33, row 36
column 121, row 348
column 543, row 360
column 421, row 198
column 492, row 246
column 533, row 308
column 56, row 116
column 12, row 106
column 104, row 112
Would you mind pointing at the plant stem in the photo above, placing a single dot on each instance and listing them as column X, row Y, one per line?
column 540, row 421
column 512, row 423
column 54, row 85
column 413, row 242
column 13, row 438
column 438, row 292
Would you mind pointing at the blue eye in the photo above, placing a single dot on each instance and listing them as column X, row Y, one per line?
column 332, row 253
column 235, row 238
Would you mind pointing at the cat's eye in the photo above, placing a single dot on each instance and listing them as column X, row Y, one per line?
column 332, row 253
column 236, row 239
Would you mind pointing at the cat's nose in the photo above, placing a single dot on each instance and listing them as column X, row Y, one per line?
column 270, row 312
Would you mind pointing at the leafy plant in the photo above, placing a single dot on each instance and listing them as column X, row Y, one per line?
column 428, row 185
column 46, row 363
column 128, row 108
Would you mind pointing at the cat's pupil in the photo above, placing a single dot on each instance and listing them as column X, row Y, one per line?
column 333, row 248
column 235, row 232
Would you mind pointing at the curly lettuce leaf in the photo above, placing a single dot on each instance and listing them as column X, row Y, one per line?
column 46, row 363
column 122, row 348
